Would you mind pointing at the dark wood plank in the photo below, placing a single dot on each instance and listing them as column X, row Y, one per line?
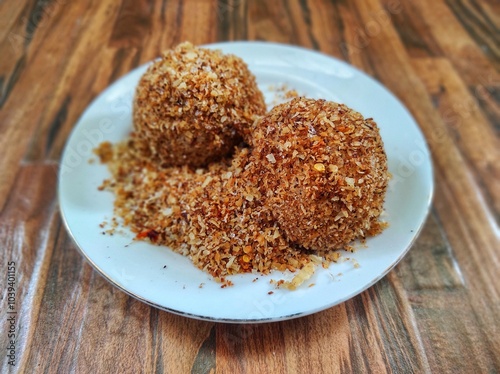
column 437, row 291
column 482, row 25
column 21, row 113
column 467, row 125
column 182, row 343
column 413, row 29
column 352, row 332
column 456, row 43
column 29, row 226
column 247, row 348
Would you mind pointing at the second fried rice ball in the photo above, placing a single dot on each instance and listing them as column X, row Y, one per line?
column 193, row 106
column 322, row 170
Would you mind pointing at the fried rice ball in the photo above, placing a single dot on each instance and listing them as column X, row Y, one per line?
column 193, row 106
column 322, row 170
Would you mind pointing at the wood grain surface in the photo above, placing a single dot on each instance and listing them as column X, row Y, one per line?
column 437, row 311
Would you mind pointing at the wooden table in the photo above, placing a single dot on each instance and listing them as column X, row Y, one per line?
column 437, row 311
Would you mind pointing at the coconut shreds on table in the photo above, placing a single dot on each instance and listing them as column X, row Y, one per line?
column 232, row 212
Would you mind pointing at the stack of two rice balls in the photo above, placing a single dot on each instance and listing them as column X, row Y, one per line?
column 320, row 166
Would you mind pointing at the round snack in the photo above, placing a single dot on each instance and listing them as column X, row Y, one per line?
column 193, row 105
column 323, row 171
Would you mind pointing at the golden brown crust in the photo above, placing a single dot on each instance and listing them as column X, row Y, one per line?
column 323, row 171
column 193, row 105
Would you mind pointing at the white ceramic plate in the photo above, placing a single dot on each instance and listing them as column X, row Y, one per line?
column 168, row 281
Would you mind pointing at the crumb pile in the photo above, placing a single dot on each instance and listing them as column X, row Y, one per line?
column 311, row 179
column 213, row 215
column 193, row 105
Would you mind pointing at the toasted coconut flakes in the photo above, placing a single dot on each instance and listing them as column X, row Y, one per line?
column 304, row 274
column 218, row 215
column 193, row 105
column 311, row 188
column 270, row 157
column 319, row 167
